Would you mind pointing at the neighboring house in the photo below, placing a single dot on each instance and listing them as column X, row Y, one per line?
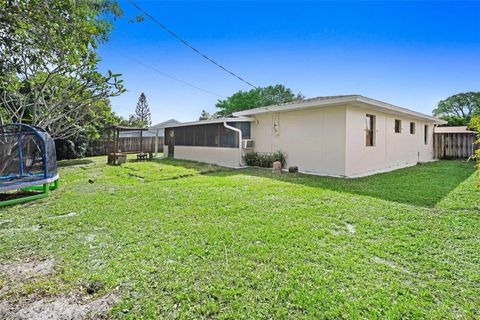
column 152, row 132
column 347, row 136
column 456, row 129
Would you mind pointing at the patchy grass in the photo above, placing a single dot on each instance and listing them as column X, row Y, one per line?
column 181, row 239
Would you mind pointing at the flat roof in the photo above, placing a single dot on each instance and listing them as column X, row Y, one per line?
column 219, row 120
column 327, row 101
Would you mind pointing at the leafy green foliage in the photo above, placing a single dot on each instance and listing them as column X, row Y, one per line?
column 265, row 160
column 188, row 240
column 459, row 109
column 475, row 125
column 259, row 97
column 48, row 71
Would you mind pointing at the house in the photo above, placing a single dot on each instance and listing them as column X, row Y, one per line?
column 152, row 132
column 455, row 129
column 348, row 136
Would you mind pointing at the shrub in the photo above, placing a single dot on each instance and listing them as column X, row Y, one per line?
column 71, row 148
column 264, row 160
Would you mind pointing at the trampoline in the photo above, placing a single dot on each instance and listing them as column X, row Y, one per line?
column 28, row 162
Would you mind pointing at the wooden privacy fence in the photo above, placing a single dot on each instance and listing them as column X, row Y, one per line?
column 103, row 147
column 454, row 145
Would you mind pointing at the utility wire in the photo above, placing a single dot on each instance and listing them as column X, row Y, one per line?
column 189, row 45
column 165, row 74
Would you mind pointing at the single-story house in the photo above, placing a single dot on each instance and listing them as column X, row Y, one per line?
column 152, row 131
column 454, row 129
column 347, row 136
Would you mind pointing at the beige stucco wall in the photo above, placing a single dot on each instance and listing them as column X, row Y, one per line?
column 391, row 150
column 313, row 139
column 227, row 157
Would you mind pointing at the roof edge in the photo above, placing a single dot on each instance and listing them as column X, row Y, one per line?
column 219, row 120
column 312, row 103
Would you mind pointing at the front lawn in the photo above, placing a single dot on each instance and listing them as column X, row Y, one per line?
column 179, row 239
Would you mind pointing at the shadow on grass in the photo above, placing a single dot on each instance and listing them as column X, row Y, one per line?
column 73, row 162
column 422, row 185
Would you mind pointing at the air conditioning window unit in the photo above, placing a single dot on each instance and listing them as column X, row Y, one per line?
column 247, row 144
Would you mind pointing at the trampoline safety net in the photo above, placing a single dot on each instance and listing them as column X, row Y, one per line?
column 27, row 155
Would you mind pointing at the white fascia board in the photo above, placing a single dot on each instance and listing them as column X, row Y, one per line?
column 336, row 101
column 399, row 110
column 220, row 120
column 295, row 106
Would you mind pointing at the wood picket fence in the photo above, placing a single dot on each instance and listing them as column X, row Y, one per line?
column 103, row 147
column 454, row 145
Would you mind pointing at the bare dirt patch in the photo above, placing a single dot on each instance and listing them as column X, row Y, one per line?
column 21, row 271
column 62, row 308
column 351, row 228
column 40, row 307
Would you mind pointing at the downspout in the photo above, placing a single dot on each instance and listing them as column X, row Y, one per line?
column 239, row 138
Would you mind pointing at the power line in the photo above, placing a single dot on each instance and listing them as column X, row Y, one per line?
column 164, row 74
column 189, row 45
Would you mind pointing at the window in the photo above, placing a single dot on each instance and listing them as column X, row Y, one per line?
column 425, row 134
column 370, row 130
column 398, row 126
column 243, row 126
column 412, row 127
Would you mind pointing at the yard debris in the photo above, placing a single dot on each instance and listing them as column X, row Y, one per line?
column 68, row 215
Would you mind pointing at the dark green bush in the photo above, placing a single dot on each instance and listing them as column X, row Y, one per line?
column 73, row 148
column 264, row 160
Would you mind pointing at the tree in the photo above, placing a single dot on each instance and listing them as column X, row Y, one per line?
column 48, row 71
column 459, row 109
column 142, row 116
column 475, row 125
column 259, row 97
column 204, row 115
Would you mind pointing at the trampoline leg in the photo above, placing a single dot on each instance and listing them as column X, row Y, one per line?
column 42, row 195
column 56, row 184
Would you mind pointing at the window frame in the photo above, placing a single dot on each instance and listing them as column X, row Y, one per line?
column 397, row 129
column 425, row 134
column 370, row 132
column 413, row 127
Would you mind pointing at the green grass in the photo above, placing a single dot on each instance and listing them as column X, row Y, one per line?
column 187, row 240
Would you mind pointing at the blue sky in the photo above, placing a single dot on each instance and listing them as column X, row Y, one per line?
column 411, row 54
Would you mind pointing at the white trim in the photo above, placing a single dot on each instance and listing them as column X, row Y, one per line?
column 219, row 120
column 336, row 101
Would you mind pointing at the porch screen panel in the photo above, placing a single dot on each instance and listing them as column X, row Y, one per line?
column 189, row 136
column 180, row 136
column 212, row 133
column 207, row 135
column 200, row 136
